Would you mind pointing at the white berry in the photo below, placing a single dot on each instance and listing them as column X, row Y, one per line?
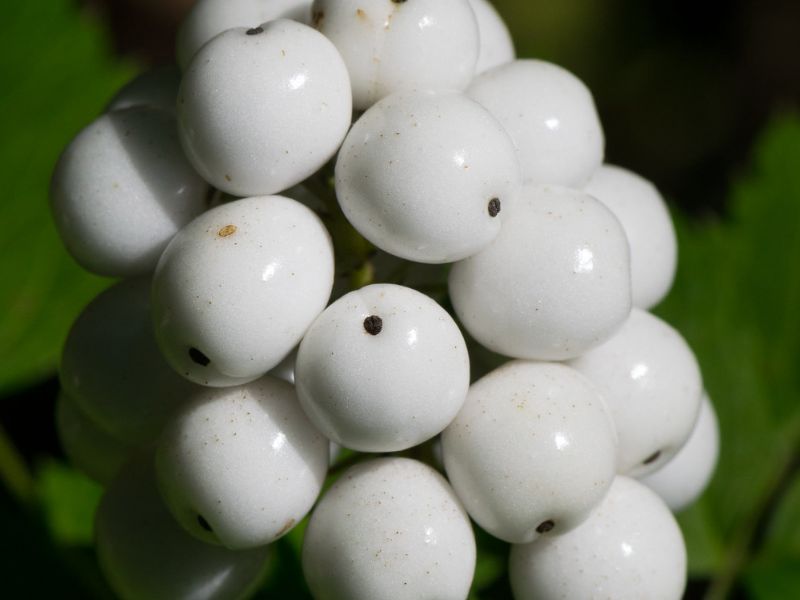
column 628, row 549
column 532, row 451
column 145, row 555
column 648, row 225
column 550, row 115
column 497, row 47
column 157, row 88
column 419, row 184
column 389, row 529
column 393, row 45
column 651, row 382
column 242, row 466
column 383, row 369
column 237, row 288
column 112, row 369
column 262, row 109
column 209, row 18
column 554, row 283
column 684, row 478
column 121, row 190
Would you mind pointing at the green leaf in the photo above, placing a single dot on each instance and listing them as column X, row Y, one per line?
column 736, row 301
column 69, row 500
column 774, row 581
column 58, row 77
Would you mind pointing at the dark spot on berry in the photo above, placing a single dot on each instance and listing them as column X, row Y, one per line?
column 255, row 31
column 204, row 524
column 652, row 458
column 545, row 526
column 398, row 1
column 317, row 18
column 373, row 325
column 227, row 230
column 198, row 357
column 494, row 207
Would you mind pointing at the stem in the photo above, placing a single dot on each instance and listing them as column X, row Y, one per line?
column 14, row 472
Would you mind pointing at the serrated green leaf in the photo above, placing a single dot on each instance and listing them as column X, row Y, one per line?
column 58, row 76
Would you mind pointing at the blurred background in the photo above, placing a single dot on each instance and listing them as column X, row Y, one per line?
column 702, row 98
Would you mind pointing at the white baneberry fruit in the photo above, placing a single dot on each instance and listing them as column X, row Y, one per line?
column 208, row 18
column 145, row 555
column 393, row 45
column 532, row 451
column 425, row 176
column 121, row 190
column 91, row 450
column 554, row 283
column 242, row 466
column 237, row 288
column 262, row 109
column 390, row 528
column 648, row 225
column 156, row 88
column 497, row 47
column 383, row 369
column 112, row 369
column 550, row 115
column 628, row 549
column 652, row 385
column 684, row 478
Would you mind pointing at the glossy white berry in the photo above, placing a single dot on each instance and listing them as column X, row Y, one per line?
column 391, row 45
column 497, row 47
column 630, row 548
column 532, row 451
column 550, row 115
column 648, row 225
column 209, row 18
column 91, row 450
column 156, row 88
column 651, row 382
column 389, row 528
column 684, row 478
column 121, row 190
column 112, row 369
column 145, row 555
column 554, row 283
column 262, row 109
column 237, row 288
column 242, row 466
column 418, row 183
column 383, row 369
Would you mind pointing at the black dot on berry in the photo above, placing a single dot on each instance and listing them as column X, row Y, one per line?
column 545, row 526
column 204, row 524
column 494, row 207
column 373, row 325
column 398, row 1
column 255, row 31
column 652, row 458
column 198, row 357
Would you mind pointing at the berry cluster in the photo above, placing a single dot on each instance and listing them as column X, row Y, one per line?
column 213, row 386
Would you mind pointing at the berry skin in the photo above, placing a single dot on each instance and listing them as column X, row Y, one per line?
column 122, row 189
column 156, row 88
column 392, row 46
column 237, row 288
column 417, row 183
column 89, row 449
column 209, row 18
column 628, row 549
column 550, row 115
column 652, row 385
column 648, row 225
column 383, row 369
column 262, row 109
column 112, row 369
column 684, row 478
column 145, row 555
column 497, row 47
column 241, row 466
column 532, row 451
column 553, row 284
column 389, row 529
